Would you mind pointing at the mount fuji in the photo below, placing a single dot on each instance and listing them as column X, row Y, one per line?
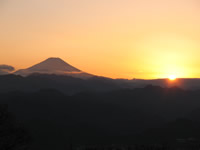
column 54, row 66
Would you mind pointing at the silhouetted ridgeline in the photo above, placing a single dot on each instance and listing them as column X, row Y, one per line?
column 72, row 85
column 66, row 84
column 150, row 115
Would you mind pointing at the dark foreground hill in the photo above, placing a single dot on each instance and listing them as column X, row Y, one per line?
column 139, row 116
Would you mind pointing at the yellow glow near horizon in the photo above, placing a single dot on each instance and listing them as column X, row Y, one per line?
column 114, row 38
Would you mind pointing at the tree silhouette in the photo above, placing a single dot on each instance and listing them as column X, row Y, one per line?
column 12, row 137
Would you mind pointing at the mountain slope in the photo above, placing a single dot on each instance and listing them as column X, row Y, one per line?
column 53, row 66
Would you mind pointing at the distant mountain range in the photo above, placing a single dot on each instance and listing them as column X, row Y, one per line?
column 56, row 74
column 53, row 66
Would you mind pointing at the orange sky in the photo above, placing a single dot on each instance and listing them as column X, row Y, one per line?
column 114, row 38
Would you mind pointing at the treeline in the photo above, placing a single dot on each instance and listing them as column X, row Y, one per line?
column 12, row 135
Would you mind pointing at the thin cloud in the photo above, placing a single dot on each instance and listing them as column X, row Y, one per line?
column 6, row 69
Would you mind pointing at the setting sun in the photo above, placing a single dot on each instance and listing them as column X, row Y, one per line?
column 172, row 77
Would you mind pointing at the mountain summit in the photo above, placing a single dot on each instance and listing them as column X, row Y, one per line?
column 53, row 66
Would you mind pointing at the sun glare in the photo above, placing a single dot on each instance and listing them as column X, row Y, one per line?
column 172, row 77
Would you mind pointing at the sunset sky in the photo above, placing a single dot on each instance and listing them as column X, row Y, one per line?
column 114, row 38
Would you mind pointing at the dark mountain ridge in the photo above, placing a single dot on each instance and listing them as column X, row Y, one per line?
column 71, row 85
